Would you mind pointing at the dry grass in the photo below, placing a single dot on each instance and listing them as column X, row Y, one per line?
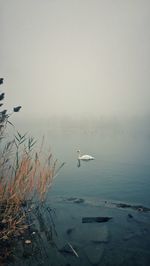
column 24, row 176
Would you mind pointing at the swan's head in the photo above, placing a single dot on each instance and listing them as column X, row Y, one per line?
column 78, row 151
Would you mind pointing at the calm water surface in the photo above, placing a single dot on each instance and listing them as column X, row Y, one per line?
column 121, row 169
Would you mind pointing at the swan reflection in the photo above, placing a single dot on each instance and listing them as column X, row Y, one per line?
column 78, row 163
column 83, row 161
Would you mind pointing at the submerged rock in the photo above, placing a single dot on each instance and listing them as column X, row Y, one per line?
column 95, row 219
column 71, row 199
column 140, row 208
column 100, row 235
column 130, row 215
column 79, row 201
column 94, row 253
column 69, row 231
column 123, row 205
column 75, row 200
column 90, row 233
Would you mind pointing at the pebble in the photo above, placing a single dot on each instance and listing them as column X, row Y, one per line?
column 28, row 241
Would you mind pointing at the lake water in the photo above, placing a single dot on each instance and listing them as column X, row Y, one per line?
column 119, row 173
column 121, row 169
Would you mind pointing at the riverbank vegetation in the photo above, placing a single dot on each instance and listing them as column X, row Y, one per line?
column 24, row 176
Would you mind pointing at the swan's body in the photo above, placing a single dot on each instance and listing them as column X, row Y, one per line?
column 84, row 157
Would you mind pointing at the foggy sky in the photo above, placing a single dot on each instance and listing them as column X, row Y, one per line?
column 76, row 57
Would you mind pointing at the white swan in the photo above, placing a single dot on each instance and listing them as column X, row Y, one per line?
column 84, row 157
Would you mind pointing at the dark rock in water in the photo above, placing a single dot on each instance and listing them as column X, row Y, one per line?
column 72, row 199
column 79, row 201
column 123, row 205
column 95, row 219
column 130, row 215
column 69, row 231
column 75, row 200
column 139, row 208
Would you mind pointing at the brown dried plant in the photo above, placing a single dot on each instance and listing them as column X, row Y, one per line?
column 24, row 178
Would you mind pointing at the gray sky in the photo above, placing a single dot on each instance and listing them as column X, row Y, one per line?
column 76, row 57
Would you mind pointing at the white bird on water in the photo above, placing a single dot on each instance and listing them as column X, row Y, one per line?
column 84, row 157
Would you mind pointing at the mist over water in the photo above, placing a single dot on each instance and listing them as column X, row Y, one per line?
column 121, row 148
column 80, row 71
column 76, row 58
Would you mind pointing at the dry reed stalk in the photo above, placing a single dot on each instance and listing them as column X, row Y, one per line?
column 29, row 178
